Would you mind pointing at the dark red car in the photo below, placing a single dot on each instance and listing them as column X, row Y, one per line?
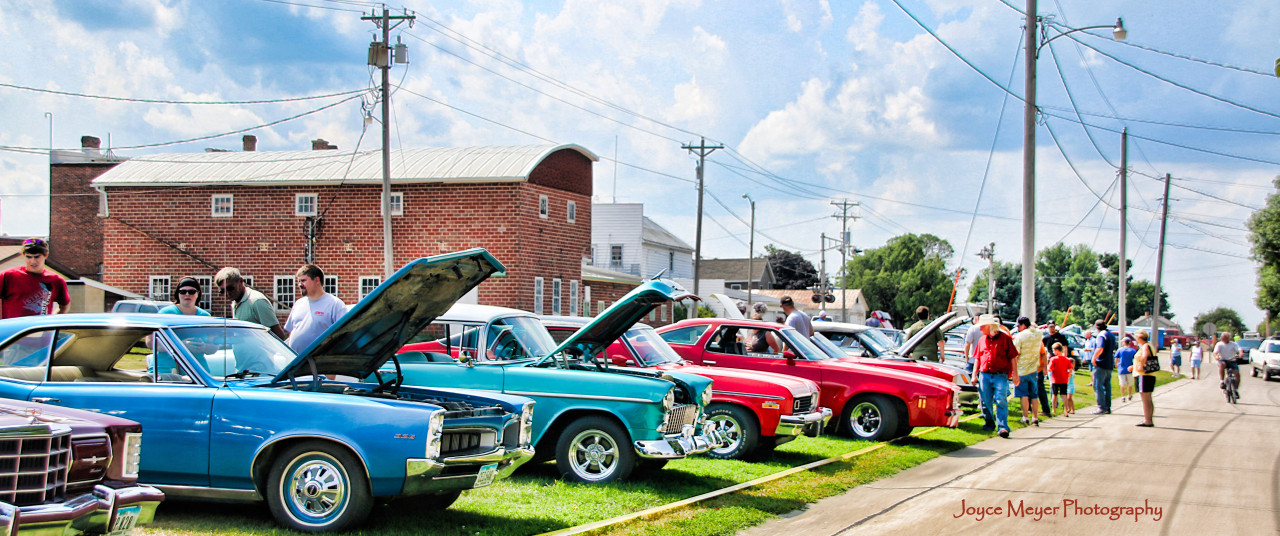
column 760, row 410
column 67, row 471
column 875, row 403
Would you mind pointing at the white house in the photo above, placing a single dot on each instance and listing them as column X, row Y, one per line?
column 624, row 240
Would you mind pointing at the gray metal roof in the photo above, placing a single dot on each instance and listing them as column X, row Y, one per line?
column 657, row 234
column 274, row 168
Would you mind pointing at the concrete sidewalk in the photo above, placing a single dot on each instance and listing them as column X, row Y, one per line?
column 1208, row 467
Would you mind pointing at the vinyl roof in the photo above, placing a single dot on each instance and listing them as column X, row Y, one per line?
column 273, row 168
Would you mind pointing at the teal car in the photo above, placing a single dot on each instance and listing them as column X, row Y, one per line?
column 599, row 422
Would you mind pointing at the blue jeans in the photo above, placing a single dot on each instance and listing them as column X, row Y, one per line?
column 1102, row 387
column 994, row 394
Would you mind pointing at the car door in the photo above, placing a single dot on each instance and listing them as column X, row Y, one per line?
column 100, row 369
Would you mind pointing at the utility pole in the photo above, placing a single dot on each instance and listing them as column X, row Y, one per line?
column 702, row 150
column 989, row 254
column 844, row 216
column 1029, row 167
column 380, row 57
column 751, row 251
column 1122, row 314
column 822, row 275
column 1164, row 221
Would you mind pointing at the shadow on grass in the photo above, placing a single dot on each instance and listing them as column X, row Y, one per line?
column 937, row 445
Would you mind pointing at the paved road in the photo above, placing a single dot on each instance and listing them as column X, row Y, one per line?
column 1208, row 467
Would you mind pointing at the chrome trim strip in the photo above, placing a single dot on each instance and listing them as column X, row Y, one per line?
column 754, row 395
column 585, row 397
column 211, row 493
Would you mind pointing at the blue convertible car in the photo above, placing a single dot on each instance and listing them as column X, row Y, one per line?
column 230, row 412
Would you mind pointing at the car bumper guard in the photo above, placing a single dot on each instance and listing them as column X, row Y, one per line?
column 101, row 511
column 424, row 475
column 686, row 443
column 809, row 424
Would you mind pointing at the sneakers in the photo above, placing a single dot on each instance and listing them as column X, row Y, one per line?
column 1036, row 422
column 1023, row 421
column 1222, row 385
column 1004, row 432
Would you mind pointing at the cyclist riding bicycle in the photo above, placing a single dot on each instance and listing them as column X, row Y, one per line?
column 1227, row 353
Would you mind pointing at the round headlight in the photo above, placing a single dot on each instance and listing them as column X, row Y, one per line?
column 669, row 401
column 706, row 396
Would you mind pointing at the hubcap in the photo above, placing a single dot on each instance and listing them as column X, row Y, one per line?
column 593, row 454
column 316, row 488
column 865, row 419
column 730, row 429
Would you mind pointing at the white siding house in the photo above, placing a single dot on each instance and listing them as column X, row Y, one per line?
column 624, row 240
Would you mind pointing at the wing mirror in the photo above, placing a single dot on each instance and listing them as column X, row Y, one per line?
column 791, row 356
column 465, row 358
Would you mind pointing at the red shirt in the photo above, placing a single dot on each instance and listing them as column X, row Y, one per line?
column 1060, row 368
column 25, row 294
column 996, row 354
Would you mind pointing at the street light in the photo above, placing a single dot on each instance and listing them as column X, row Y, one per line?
column 1034, row 44
column 751, row 250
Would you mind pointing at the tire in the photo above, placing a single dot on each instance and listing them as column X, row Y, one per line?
column 594, row 450
column 869, row 416
column 318, row 486
column 426, row 503
column 741, row 428
column 1255, row 371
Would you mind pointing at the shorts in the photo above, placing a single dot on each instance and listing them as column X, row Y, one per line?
column 1195, row 363
column 1125, row 379
column 1028, row 386
column 1146, row 384
column 1175, row 360
column 1060, row 389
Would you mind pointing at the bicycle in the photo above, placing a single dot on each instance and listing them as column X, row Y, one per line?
column 1231, row 386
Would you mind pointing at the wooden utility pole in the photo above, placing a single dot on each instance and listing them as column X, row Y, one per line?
column 844, row 206
column 380, row 57
column 702, row 150
column 1164, row 221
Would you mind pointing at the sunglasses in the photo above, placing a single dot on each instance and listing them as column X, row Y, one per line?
column 36, row 241
column 188, row 291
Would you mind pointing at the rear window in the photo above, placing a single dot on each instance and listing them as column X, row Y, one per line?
column 126, row 307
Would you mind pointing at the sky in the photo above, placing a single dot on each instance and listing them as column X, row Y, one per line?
column 911, row 108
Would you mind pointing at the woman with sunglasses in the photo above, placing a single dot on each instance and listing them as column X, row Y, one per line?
column 187, row 294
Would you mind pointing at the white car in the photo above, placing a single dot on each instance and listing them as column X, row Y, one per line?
column 1266, row 359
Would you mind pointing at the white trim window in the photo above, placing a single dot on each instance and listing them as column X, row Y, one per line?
column 248, row 281
column 206, row 292
column 330, row 284
column 662, row 313
column 572, row 211
column 555, row 296
column 397, row 204
column 223, row 206
column 537, row 295
column 367, row 284
column 586, row 300
column 544, row 207
column 573, row 298
column 615, row 257
column 158, row 288
column 306, row 204
column 285, row 292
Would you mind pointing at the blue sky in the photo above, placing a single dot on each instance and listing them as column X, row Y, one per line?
column 815, row 101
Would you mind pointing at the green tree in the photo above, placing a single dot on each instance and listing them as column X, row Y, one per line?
column 792, row 270
column 1008, row 293
column 905, row 273
column 1138, row 300
column 1224, row 318
column 1264, row 234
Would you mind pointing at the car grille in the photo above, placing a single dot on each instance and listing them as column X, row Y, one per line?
column 803, row 404
column 452, row 442
column 33, row 464
column 511, row 435
column 679, row 416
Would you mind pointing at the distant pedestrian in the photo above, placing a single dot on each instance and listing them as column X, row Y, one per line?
column 30, row 289
column 1060, row 371
column 931, row 347
column 1175, row 358
column 1124, row 367
column 1146, row 381
column 997, row 363
column 796, row 318
column 186, row 295
column 247, row 304
column 1030, row 348
column 1197, row 355
column 1051, row 337
column 822, row 317
column 314, row 312
column 1103, row 362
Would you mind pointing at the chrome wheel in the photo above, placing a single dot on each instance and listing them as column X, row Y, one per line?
column 731, row 429
column 595, row 449
column 594, row 455
column 317, row 487
column 739, row 425
column 866, row 419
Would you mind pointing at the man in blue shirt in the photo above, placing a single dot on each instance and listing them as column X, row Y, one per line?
column 1124, row 367
column 1103, row 363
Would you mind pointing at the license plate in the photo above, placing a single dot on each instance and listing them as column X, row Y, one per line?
column 126, row 518
column 486, row 475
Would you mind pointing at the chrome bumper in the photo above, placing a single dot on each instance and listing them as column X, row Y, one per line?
column 686, row 443
column 424, row 475
column 94, row 512
column 810, row 424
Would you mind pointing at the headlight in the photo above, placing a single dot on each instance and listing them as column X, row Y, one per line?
column 132, row 454
column 706, row 396
column 435, row 429
column 669, row 401
column 526, row 424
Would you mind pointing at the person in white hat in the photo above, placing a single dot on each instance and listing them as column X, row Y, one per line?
column 997, row 363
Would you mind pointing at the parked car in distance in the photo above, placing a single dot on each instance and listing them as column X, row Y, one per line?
column 1266, row 359
column 68, row 472
column 231, row 413
column 875, row 403
column 597, row 422
column 757, row 411
column 1248, row 346
column 139, row 306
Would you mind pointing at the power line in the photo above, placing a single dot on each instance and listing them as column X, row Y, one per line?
column 167, row 101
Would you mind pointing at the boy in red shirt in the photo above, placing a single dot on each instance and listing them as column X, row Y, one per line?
column 1060, row 369
column 30, row 290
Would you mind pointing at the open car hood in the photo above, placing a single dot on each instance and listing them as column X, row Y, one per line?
column 619, row 317
column 931, row 327
column 375, row 327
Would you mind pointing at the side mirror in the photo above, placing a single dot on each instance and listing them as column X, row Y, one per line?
column 465, row 358
column 791, row 356
column 631, row 363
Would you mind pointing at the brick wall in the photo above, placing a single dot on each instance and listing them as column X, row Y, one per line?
column 75, row 231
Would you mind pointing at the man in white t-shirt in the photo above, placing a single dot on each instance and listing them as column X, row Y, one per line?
column 796, row 318
column 314, row 312
column 1226, row 351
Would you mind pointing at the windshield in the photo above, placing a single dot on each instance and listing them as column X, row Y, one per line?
column 1249, row 343
column 221, row 351
column 649, row 348
column 876, row 341
column 830, row 348
column 802, row 345
column 517, row 337
column 893, row 335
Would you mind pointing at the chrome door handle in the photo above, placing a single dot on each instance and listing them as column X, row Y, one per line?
column 708, row 362
column 45, row 400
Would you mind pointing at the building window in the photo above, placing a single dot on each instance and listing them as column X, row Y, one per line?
column 537, row 295
column 615, row 257
column 305, row 204
column 544, row 206
column 331, row 284
column 586, row 301
column 593, row 255
column 662, row 313
column 367, row 284
column 572, row 210
column 159, row 288
column 573, row 298
column 248, row 280
column 599, row 306
column 653, row 314
column 671, row 264
column 735, row 286
column 555, row 296
column 286, row 290
column 206, row 291
column 223, row 206
column 397, row 204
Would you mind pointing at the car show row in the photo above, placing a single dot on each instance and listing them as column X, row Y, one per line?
column 411, row 398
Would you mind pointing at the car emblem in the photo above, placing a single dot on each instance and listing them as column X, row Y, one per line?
column 93, row 459
column 405, row 436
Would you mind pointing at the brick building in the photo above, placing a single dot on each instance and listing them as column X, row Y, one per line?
column 75, row 231
column 167, row 216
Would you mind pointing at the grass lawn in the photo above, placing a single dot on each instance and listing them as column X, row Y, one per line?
column 535, row 501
